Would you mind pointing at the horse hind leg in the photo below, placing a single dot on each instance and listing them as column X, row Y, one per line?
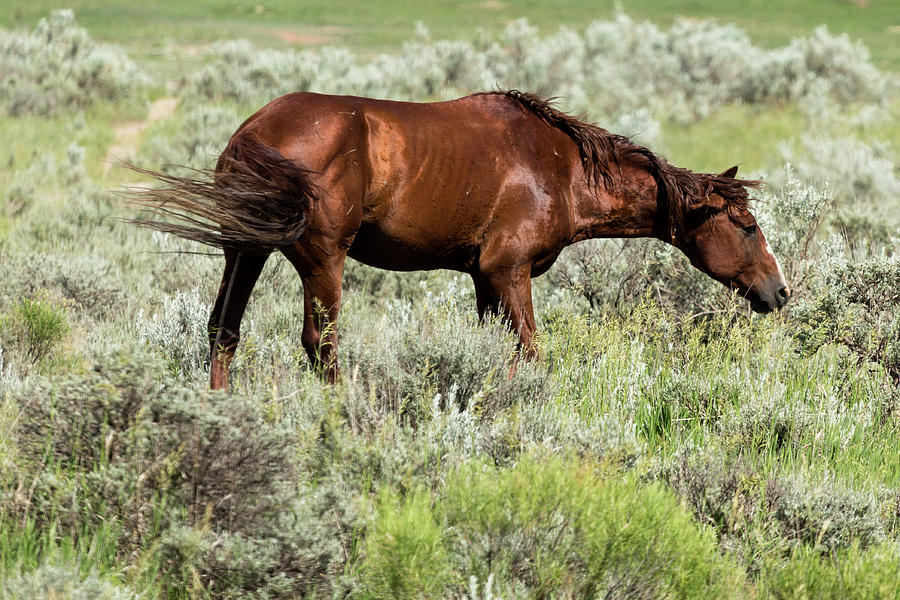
column 241, row 272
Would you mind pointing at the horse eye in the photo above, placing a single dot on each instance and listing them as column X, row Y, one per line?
column 749, row 229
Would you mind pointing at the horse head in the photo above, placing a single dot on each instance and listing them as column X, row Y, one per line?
column 722, row 239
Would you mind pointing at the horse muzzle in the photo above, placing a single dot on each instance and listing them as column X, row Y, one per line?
column 771, row 298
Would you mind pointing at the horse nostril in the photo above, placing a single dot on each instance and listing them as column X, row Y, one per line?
column 784, row 293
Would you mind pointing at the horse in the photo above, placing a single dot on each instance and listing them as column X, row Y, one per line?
column 494, row 184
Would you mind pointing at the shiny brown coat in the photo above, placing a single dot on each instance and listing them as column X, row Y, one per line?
column 494, row 185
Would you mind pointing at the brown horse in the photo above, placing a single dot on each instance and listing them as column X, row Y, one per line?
column 494, row 185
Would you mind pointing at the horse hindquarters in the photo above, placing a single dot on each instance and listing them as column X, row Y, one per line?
column 268, row 201
column 323, row 139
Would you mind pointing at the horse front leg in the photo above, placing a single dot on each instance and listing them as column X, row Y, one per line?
column 485, row 301
column 511, row 291
column 241, row 272
column 321, row 305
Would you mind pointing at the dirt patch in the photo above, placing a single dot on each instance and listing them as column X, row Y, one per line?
column 313, row 36
column 127, row 136
column 161, row 109
column 492, row 5
column 292, row 37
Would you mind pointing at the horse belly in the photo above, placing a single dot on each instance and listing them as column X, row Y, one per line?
column 383, row 248
column 433, row 217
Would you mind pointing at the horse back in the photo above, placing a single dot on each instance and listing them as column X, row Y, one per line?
column 426, row 185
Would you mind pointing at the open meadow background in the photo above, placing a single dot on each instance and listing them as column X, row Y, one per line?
column 667, row 444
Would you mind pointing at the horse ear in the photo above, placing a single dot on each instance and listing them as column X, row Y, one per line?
column 729, row 173
column 711, row 203
column 716, row 202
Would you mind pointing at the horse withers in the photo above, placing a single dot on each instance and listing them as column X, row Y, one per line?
column 494, row 184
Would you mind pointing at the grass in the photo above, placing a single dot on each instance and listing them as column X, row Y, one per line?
column 30, row 138
column 25, row 546
column 749, row 134
column 148, row 29
column 699, row 389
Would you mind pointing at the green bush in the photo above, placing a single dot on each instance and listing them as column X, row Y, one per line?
column 33, row 329
column 546, row 528
column 404, row 549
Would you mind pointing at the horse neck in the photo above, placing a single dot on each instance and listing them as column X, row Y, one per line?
column 627, row 208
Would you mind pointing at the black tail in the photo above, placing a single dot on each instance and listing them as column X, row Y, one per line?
column 255, row 199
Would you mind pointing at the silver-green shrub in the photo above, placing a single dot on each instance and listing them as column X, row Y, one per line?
column 614, row 273
column 178, row 330
column 857, row 306
column 823, row 516
column 205, row 486
column 57, row 67
column 793, row 214
column 46, row 175
column 856, row 173
column 821, row 64
column 787, row 509
column 611, row 67
column 62, row 581
column 437, row 353
column 82, row 282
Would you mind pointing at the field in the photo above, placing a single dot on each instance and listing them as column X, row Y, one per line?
column 668, row 443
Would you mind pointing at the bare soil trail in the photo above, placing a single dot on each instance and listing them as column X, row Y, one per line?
column 127, row 136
